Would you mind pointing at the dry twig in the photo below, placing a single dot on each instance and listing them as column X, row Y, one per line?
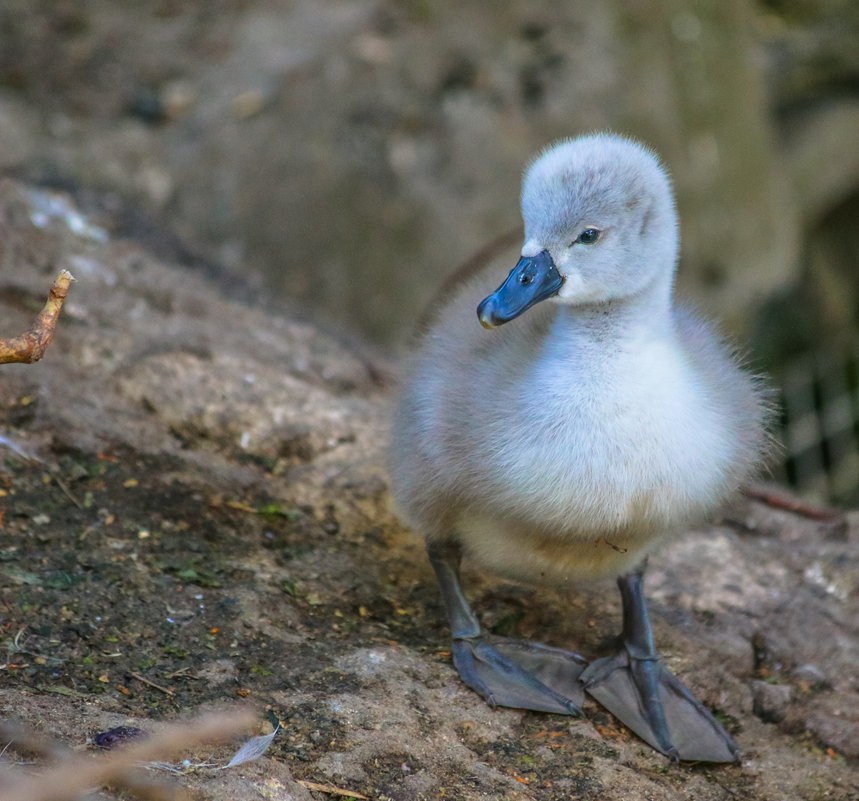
column 778, row 499
column 71, row 778
column 330, row 789
column 165, row 690
column 30, row 346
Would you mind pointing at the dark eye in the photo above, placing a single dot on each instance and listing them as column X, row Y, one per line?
column 588, row 236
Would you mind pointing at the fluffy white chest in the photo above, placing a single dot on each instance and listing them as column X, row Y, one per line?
column 621, row 442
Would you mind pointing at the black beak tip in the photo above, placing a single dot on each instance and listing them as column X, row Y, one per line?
column 486, row 314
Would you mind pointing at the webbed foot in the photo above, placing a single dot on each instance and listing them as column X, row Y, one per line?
column 520, row 674
column 504, row 671
column 658, row 707
column 640, row 692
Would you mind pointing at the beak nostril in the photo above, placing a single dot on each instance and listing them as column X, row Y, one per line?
column 534, row 278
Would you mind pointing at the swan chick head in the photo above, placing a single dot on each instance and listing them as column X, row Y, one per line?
column 600, row 225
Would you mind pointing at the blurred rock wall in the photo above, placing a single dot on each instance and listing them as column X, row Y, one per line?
column 346, row 155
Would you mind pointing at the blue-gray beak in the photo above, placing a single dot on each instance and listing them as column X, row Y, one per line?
column 534, row 278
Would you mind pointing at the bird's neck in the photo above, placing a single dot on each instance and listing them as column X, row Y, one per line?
column 645, row 315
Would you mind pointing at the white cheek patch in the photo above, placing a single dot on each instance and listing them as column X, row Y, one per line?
column 576, row 290
column 531, row 248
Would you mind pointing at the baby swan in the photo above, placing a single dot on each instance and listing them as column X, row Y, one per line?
column 569, row 443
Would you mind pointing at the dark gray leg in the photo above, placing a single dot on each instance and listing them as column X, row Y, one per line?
column 505, row 672
column 445, row 559
column 643, row 659
column 638, row 690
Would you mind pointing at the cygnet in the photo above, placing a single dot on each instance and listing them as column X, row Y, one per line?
column 597, row 420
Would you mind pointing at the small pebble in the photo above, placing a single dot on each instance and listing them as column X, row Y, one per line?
column 117, row 736
column 771, row 701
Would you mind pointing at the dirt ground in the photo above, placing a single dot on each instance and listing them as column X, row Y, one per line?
column 204, row 523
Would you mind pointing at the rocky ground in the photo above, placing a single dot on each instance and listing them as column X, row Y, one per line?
column 204, row 522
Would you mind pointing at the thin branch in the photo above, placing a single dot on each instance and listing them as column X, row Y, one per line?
column 778, row 499
column 330, row 789
column 30, row 346
column 67, row 492
column 165, row 690
column 73, row 777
